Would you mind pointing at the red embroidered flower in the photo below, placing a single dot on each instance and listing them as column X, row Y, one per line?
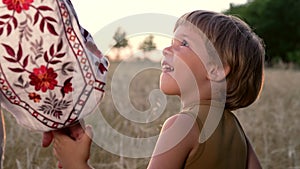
column 17, row 5
column 35, row 97
column 43, row 78
column 68, row 88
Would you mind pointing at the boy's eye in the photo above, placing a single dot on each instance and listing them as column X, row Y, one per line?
column 184, row 43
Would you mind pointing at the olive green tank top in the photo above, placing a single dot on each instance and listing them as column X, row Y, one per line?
column 225, row 148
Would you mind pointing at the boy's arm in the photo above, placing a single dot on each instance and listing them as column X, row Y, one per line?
column 174, row 144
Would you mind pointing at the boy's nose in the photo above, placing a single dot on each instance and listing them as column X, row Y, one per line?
column 167, row 51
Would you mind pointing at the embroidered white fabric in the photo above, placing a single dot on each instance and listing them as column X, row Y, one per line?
column 49, row 79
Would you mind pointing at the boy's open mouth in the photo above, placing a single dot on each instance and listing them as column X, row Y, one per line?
column 166, row 67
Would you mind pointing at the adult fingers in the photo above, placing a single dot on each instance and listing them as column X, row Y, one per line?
column 77, row 130
column 47, row 138
column 88, row 135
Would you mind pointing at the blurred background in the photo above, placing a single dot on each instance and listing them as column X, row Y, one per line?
column 272, row 122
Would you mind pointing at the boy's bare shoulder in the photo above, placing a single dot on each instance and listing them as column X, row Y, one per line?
column 179, row 120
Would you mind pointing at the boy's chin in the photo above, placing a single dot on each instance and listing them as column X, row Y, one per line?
column 168, row 91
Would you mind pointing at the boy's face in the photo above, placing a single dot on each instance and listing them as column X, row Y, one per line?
column 183, row 71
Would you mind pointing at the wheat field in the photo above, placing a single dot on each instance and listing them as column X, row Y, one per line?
column 271, row 123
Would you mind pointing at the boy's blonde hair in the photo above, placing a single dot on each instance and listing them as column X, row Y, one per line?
column 239, row 48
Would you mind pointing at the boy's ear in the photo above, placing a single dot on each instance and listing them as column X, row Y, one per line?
column 217, row 73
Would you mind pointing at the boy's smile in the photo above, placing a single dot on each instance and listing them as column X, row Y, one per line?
column 166, row 67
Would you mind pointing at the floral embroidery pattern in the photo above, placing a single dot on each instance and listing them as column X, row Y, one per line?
column 54, row 106
column 42, row 77
column 17, row 5
column 35, row 97
column 9, row 22
column 67, row 87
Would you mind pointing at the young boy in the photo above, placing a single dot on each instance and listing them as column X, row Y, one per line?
column 215, row 65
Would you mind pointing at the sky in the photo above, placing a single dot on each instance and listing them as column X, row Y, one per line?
column 102, row 19
column 95, row 14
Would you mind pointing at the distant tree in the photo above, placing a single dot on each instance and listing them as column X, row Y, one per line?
column 148, row 45
column 277, row 22
column 121, row 41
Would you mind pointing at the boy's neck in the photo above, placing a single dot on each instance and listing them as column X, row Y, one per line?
column 195, row 97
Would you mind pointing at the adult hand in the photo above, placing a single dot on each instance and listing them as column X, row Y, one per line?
column 47, row 138
column 73, row 154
